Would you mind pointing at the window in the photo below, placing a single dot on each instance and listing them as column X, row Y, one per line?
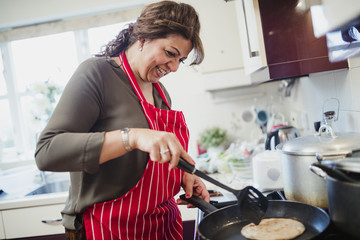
column 35, row 71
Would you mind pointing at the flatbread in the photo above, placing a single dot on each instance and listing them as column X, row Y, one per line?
column 274, row 229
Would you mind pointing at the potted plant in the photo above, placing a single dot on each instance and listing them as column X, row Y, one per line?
column 213, row 139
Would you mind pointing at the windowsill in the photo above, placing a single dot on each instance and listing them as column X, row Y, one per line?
column 5, row 165
column 10, row 159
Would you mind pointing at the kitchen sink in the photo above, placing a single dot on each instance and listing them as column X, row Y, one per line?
column 51, row 187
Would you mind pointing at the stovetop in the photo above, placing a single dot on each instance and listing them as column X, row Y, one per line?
column 331, row 233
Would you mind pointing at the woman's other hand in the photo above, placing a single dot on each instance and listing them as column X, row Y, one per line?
column 193, row 185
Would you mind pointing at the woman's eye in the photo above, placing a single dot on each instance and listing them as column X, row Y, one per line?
column 182, row 61
column 171, row 54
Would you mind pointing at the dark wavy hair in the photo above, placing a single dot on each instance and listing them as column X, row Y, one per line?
column 159, row 20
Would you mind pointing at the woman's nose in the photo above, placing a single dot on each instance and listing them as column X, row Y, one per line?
column 173, row 65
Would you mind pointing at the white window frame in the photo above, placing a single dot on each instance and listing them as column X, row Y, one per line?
column 13, row 95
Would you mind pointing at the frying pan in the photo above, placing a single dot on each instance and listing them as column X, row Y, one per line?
column 226, row 223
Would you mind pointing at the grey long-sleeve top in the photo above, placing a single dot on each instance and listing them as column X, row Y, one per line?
column 98, row 98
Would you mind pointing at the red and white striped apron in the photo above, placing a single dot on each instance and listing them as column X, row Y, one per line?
column 149, row 210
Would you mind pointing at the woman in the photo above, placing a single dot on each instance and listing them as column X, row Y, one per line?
column 114, row 131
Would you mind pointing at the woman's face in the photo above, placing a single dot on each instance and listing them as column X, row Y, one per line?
column 161, row 56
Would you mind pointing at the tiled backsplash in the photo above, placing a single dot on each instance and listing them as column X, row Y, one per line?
column 311, row 92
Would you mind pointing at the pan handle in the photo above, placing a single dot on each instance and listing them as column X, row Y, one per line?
column 324, row 171
column 331, row 156
column 199, row 203
column 317, row 170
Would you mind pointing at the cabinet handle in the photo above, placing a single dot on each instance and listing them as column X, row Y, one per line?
column 52, row 221
column 251, row 53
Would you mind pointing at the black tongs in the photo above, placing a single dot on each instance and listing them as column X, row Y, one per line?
column 253, row 204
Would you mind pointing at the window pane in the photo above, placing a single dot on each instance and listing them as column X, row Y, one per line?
column 42, row 66
column 2, row 79
column 100, row 36
column 7, row 138
column 49, row 58
column 6, row 128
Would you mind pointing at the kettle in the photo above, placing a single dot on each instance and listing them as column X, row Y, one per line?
column 280, row 135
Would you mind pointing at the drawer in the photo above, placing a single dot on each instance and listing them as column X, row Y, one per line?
column 28, row 222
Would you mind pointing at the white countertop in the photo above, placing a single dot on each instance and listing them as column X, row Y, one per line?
column 59, row 198
column 34, row 200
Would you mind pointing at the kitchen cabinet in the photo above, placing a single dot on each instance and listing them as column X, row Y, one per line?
column 220, row 37
column 30, row 221
column 250, row 31
column 223, row 65
column 277, row 38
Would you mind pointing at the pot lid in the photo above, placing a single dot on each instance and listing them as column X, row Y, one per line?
column 322, row 143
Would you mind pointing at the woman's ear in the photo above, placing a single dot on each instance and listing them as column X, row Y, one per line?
column 141, row 44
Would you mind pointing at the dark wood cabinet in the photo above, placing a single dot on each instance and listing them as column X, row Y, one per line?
column 290, row 45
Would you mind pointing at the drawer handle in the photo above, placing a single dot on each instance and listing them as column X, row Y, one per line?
column 52, row 222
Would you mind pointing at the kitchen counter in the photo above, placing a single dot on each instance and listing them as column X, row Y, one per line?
column 228, row 179
column 35, row 200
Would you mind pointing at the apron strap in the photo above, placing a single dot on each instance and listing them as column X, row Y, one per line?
column 162, row 94
column 131, row 76
column 135, row 84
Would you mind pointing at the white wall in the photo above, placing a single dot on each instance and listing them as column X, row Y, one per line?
column 203, row 109
column 224, row 109
column 15, row 13
column 312, row 92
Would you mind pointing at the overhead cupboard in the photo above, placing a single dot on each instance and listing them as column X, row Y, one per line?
column 277, row 40
column 222, row 66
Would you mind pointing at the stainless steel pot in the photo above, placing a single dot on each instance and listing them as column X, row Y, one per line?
column 344, row 207
column 299, row 153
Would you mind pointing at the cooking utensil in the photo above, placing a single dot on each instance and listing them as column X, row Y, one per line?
column 252, row 202
column 280, row 135
column 262, row 117
column 299, row 153
column 226, row 223
column 333, row 172
column 344, row 207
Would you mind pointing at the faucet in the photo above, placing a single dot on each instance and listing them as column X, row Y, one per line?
column 43, row 176
column 287, row 85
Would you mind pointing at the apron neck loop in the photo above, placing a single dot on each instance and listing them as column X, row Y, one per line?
column 134, row 83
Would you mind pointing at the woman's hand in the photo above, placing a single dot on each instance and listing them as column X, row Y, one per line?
column 193, row 185
column 162, row 146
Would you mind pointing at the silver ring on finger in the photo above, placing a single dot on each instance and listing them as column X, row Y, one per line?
column 164, row 151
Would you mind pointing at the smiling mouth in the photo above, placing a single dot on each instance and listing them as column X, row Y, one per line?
column 161, row 71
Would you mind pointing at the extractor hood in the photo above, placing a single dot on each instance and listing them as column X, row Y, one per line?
column 340, row 22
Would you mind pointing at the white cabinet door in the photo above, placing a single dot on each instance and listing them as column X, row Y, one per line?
column 219, row 34
column 251, row 35
column 2, row 231
column 33, row 221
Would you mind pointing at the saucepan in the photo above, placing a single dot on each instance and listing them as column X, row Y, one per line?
column 343, row 192
column 226, row 223
column 297, row 154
